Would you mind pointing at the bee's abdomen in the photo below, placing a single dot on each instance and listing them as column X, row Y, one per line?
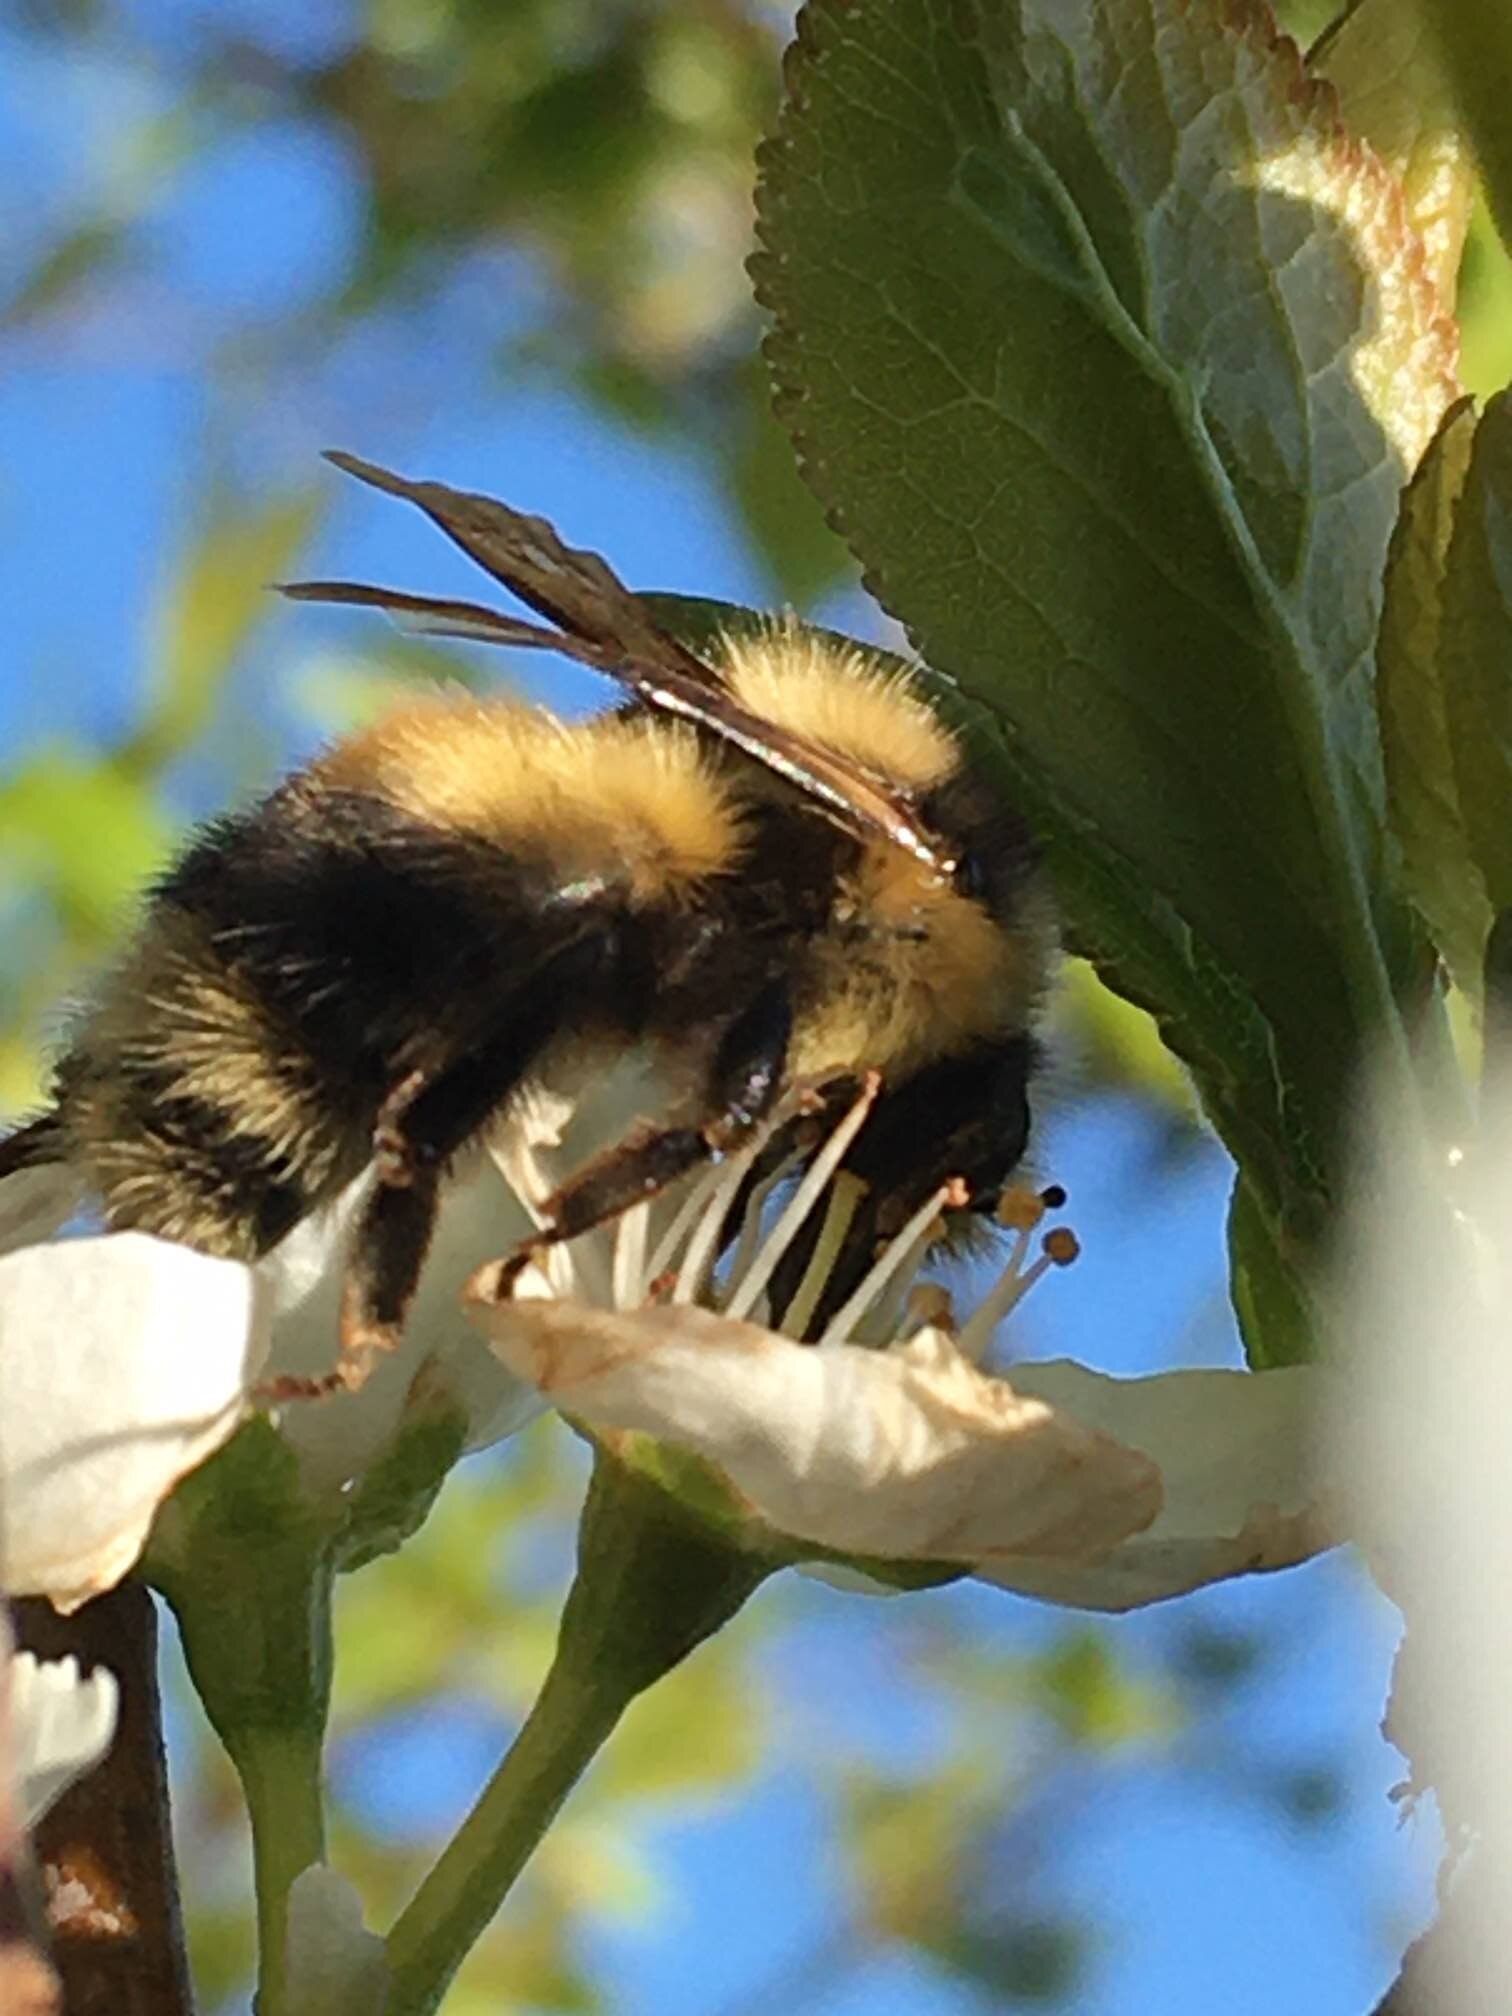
column 192, row 1110
column 296, row 964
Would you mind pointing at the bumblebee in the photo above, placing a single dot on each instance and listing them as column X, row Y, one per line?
column 771, row 865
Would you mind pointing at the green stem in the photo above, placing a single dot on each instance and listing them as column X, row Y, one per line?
column 560, row 1738
column 247, row 1561
column 280, row 1771
column 651, row 1585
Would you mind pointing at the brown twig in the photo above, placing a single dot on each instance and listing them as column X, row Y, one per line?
column 106, row 1849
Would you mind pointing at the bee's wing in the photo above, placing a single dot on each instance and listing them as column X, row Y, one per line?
column 428, row 615
column 605, row 625
column 574, row 589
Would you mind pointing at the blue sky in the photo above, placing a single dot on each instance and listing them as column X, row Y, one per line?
column 1205, row 1895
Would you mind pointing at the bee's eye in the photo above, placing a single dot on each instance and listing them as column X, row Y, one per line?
column 971, row 876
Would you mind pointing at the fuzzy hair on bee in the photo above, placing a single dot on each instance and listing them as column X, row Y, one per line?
column 771, row 865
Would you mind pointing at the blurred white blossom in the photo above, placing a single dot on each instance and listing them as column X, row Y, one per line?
column 60, row 1726
column 1419, row 1435
column 332, row 1964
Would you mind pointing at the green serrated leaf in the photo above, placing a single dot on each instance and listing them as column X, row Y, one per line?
column 1423, row 790
column 1104, row 350
column 1385, row 62
column 1475, row 651
column 1278, row 1320
column 781, row 519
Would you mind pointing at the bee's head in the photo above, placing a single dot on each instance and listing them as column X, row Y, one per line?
column 997, row 864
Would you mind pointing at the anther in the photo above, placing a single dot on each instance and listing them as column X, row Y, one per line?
column 1020, row 1209
column 929, row 1307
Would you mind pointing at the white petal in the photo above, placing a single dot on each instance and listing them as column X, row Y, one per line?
column 123, row 1362
column 909, row 1453
column 312, row 1257
column 1234, row 1452
column 61, row 1726
column 333, row 1964
column 339, row 1437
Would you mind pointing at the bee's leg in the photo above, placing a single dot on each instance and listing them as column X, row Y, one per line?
column 745, row 1081
column 421, row 1124
column 426, row 1117
column 388, row 1252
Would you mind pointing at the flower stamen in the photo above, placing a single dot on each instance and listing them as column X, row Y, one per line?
column 803, row 1200
column 703, row 1245
column 845, row 1197
column 927, row 1306
column 661, row 1275
column 749, row 1243
column 628, row 1274
column 1057, row 1249
column 906, row 1246
column 893, row 1316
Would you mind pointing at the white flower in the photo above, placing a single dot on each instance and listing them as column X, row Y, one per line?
column 1233, row 1450
column 126, row 1360
column 60, row 1726
column 338, row 1438
column 886, row 1439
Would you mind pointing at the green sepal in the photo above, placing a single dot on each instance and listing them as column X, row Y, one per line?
column 393, row 1497
column 245, row 1559
column 702, row 1492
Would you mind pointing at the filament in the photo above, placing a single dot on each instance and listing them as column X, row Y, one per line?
column 803, row 1200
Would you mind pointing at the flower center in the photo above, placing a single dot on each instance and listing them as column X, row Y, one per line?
column 680, row 1249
